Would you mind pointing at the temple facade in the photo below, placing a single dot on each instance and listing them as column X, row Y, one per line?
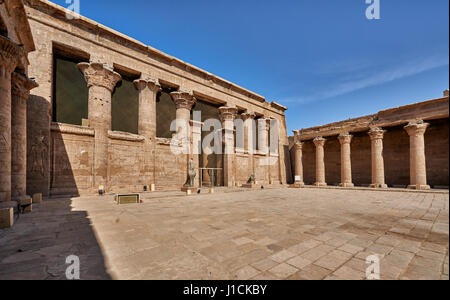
column 405, row 147
column 85, row 109
column 103, row 116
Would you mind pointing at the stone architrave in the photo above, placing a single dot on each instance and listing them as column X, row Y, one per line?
column 101, row 80
column 418, row 169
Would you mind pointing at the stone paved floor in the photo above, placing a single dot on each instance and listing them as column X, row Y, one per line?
column 270, row 234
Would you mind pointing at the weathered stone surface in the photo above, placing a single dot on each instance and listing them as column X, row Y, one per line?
column 233, row 234
column 6, row 217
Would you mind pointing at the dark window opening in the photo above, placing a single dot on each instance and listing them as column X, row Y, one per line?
column 125, row 106
column 166, row 112
column 70, row 91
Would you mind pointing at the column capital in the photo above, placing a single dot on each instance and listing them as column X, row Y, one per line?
column 345, row 138
column 319, row 141
column 99, row 74
column 416, row 128
column 376, row 133
column 22, row 85
column 298, row 146
column 152, row 84
column 248, row 115
column 183, row 99
column 10, row 53
column 228, row 113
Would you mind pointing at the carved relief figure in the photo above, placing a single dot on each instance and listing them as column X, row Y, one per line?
column 39, row 154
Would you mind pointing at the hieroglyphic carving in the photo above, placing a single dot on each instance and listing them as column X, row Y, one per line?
column 10, row 53
column 39, row 155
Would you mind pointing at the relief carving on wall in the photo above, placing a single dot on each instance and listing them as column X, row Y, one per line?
column 39, row 155
column 4, row 144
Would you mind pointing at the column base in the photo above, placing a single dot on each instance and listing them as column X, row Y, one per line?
column 378, row 186
column 320, row 184
column 419, row 187
column 347, row 185
column 297, row 185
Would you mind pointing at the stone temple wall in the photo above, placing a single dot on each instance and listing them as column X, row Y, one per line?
column 68, row 159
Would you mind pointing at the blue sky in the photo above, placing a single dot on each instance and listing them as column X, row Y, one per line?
column 322, row 58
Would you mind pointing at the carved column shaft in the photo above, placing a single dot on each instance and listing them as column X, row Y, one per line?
column 248, row 139
column 184, row 101
column 20, row 93
column 320, row 161
column 9, row 55
column 228, row 114
column 346, row 160
column 263, row 136
column 298, row 147
column 101, row 80
column 197, row 148
column 148, row 91
column 418, row 169
column 378, row 177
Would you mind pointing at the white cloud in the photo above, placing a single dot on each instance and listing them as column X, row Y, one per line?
column 360, row 75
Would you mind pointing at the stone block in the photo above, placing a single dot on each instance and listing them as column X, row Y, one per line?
column 6, row 217
column 250, row 185
column 37, row 198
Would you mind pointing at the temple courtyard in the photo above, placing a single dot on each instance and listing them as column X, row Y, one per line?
column 278, row 233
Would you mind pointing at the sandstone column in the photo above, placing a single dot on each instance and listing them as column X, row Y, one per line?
column 320, row 161
column 196, row 137
column 418, row 169
column 20, row 93
column 228, row 114
column 298, row 147
column 346, row 160
column 9, row 55
column 263, row 147
column 248, row 118
column 184, row 102
column 378, row 177
column 263, row 136
column 148, row 91
column 101, row 80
